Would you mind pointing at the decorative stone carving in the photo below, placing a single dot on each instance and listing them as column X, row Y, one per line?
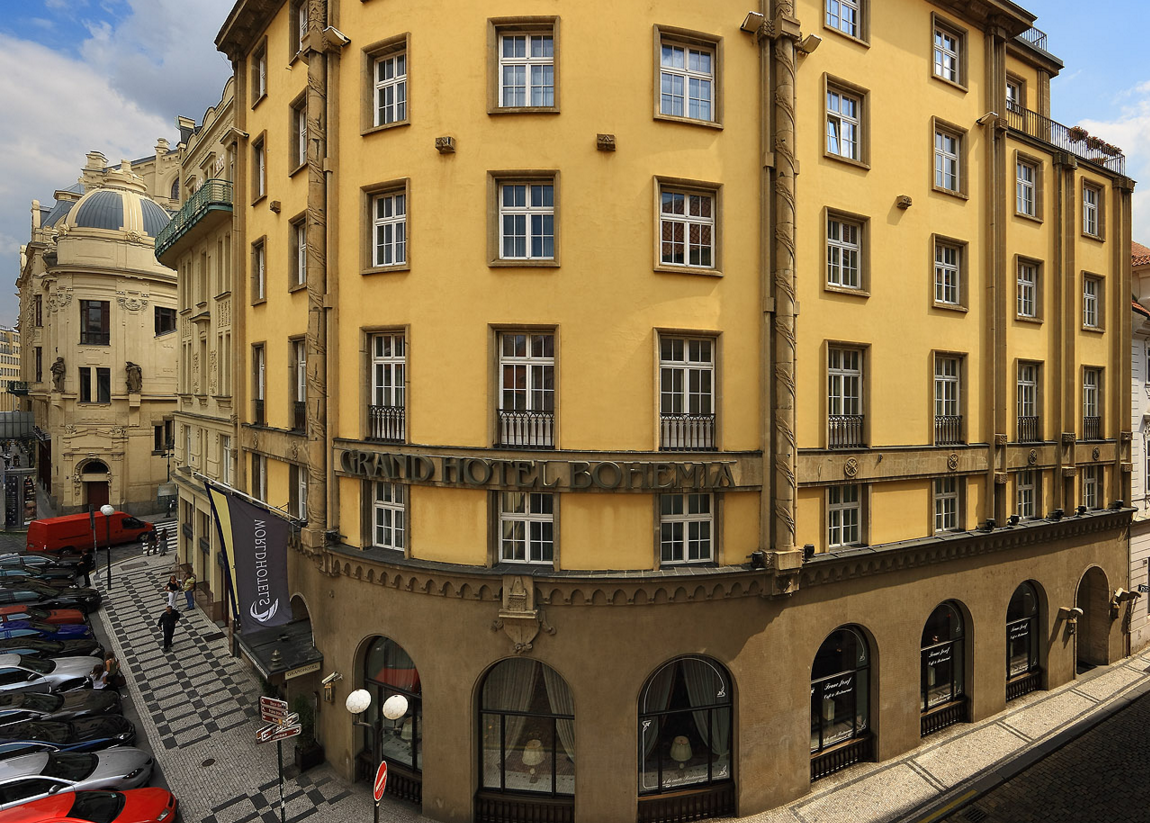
column 1000, row 478
column 1032, row 457
column 605, row 142
column 952, row 462
column 224, row 315
column 135, row 381
column 59, row 299
column 851, row 467
column 445, row 145
column 999, row 440
column 119, row 431
column 58, row 369
column 1095, row 453
column 519, row 619
column 212, row 371
column 904, row 201
column 131, row 304
column 1124, row 437
column 1068, row 438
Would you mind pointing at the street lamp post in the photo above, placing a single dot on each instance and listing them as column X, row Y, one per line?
column 108, row 511
column 394, row 708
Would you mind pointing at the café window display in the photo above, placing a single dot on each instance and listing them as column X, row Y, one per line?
column 389, row 670
column 685, row 727
column 942, row 658
column 1022, row 672
column 527, row 726
column 840, row 690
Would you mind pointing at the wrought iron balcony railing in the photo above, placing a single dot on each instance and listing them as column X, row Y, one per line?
column 527, row 429
column 687, row 432
column 1074, row 140
column 1035, row 37
column 845, row 431
column 298, row 416
column 18, row 387
column 387, row 423
column 213, row 195
column 947, row 429
column 1029, row 430
column 1091, row 428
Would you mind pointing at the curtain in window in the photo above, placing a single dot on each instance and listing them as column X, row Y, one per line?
column 510, row 687
column 706, row 688
column 656, row 699
column 559, row 696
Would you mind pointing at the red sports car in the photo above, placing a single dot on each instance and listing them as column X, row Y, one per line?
column 17, row 611
column 131, row 806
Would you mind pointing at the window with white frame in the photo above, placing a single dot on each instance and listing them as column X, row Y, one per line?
column 299, row 31
column 259, row 271
column 844, row 124
column 299, row 252
column 1091, row 393
column 389, row 515
column 189, row 454
column 1091, row 486
column 259, row 64
column 527, row 389
column 526, row 527
column 946, row 500
column 844, row 516
column 846, row 16
column 259, row 477
column 1091, row 300
column 299, row 370
column 844, row 381
column 947, row 383
column 686, row 528
column 1026, row 497
column 947, row 273
column 390, row 89
column 686, row 392
column 1090, row 199
column 686, row 228
column 297, row 502
column 389, row 229
column 227, row 475
column 947, row 54
column 686, row 81
column 259, row 382
column 526, row 70
column 947, row 160
column 1026, row 186
column 259, row 169
column 527, row 220
column 1027, row 290
column 1026, row 396
column 387, row 414
column 1013, row 95
column 844, row 253
column 299, row 132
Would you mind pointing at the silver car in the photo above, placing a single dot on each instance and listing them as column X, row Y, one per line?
column 33, row 776
column 24, row 673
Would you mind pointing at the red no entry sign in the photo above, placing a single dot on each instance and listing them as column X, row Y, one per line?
column 380, row 781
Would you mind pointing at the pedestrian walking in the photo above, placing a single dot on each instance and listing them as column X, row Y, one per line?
column 167, row 622
column 148, row 542
column 172, row 588
column 84, row 569
column 190, row 589
column 162, row 541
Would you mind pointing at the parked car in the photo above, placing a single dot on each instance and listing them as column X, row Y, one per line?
column 33, row 776
column 51, row 575
column 50, row 597
column 132, row 806
column 43, row 615
column 17, row 707
column 36, row 560
column 57, row 631
column 73, row 533
column 24, row 673
column 42, row 647
column 90, row 734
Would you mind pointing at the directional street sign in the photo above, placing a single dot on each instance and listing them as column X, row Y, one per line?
column 291, row 720
column 275, row 732
column 272, row 709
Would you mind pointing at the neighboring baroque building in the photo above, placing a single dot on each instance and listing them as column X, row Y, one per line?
column 198, row 245
column 518, row 336
column 1140, row 426
column 9, row 369
column 97, row 314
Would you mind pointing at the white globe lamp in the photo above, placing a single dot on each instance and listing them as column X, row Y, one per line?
column 358, row 701
column 395, row 707
column 107, row 510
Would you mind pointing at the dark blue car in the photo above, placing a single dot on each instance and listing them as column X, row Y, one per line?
column 87, row 734
column 51, row 631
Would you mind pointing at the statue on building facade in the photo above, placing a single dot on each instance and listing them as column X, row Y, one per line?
column 135, row 377
column 58, row 369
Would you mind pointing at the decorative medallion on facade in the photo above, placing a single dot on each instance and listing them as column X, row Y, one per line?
column 519, row 619
column 1096, row 453
column 59, row 299
column 952, row 462
column 132, row 304
column 851, row 467
column 1032, row 457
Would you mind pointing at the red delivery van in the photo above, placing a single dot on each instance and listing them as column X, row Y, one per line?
column 73, row 532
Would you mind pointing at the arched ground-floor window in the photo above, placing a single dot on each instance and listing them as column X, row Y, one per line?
column 942, row 698
column 388, row 670
column 840, row 703
column 1022, row 635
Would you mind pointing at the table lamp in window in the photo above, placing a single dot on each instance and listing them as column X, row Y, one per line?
column 681, row 750
column 533, row 756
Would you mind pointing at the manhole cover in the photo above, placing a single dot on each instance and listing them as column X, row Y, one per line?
column 975, row 815
column 210, row 761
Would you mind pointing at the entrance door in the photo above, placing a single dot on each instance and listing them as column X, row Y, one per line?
column 1092, row 640
column 97, row 493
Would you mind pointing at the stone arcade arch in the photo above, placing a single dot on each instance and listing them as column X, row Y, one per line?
column 1092, row 637
column 1023, row 641
column 840, row 702
column 389, row 670
column 942, row 697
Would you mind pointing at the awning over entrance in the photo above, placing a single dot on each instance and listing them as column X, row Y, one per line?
column 284, row 650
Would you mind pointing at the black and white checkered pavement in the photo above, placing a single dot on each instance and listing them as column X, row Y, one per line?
column 198, row 708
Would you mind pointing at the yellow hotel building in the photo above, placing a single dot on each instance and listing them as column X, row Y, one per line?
column 637, row 460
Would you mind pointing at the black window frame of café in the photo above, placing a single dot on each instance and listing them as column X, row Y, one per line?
column 943, row 648
column 1023, row 623
column 828, row 670
column 405, row 778
column 99, row 312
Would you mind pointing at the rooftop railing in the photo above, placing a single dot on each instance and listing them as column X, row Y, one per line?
column 212, row 195
column 1071, row 139
column 1035, row 37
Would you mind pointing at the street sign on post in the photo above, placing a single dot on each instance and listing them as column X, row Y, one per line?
column 272, row 709
column 274, row 731
column 380, row 781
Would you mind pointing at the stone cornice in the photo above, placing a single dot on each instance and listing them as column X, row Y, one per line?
column 245, row 23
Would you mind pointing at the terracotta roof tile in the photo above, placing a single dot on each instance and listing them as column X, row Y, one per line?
column 1139, row 308
column 1140, row 254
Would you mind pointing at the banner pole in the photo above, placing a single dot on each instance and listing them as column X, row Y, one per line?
column 280, row 753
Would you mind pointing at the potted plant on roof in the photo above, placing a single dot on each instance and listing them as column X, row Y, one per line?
column 308, row 752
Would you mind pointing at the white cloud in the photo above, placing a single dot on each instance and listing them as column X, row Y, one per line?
column 1131, row 132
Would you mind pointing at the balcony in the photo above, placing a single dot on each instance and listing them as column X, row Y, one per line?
column 527, row 429
column 299, row 416
column 213, row 196
column 1035, row 37
column 1029, row 430
column 948, row 429
column 1091, row 428
column 687, row 432
column 387, row 424
column 845, row 431
column 1073, row 140
column 258, row 418
column 19, row 387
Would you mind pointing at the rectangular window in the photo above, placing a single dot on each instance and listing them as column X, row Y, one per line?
column 526, row 70
column 299, row 132
column 686, row 228
column 298, row 231
column 298, row 410
column 527, row 389
column 1014, row 102
column 259, row 478
column 946, row 501
column 85, row 385
column 389, row 516
column 844, row 253
column 297, row 494
column 163, row 436
column 165, row 320
column 103, row 385
column 389, row 229
column 526, row 527
column 1027, row 296
column 226, row 474
column 686, row 81
column 527, row 221
column 947, row 160
column 948, row 57
column 1026, row 181
column 38, row 308
column 686, row 528
column 98, row 392
column 1026, row 403
column 845, row 15
column 844, row 124
column 259, row 168
column 1091, row 486
column 1091, row 218
column 844, row 516
column 259, row 378
column 1091, row 302
column 946, row 386
column 299, row 31
column 39, row 365
column 844, row 398
column 388, row 387
column 189, row 455
column 1027, row 495
column 259, row 64
column 1092, row 404
column 947, row 273
column 95, row 326
column 686, row 393
column 390, row 92
column 259, row 272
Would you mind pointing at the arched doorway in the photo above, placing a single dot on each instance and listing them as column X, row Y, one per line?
column 388, row 670
column 840, row 703
column 1092, row 637
column 942, row 698
column 94, row 475
column 526, row 745
column 1022, row 672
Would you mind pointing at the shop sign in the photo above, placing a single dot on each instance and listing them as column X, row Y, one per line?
column 1019, row 631
column 301, row 671
column 936, row 657
column 479, row 472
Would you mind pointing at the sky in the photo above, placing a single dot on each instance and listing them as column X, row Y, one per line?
column 111, row 75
